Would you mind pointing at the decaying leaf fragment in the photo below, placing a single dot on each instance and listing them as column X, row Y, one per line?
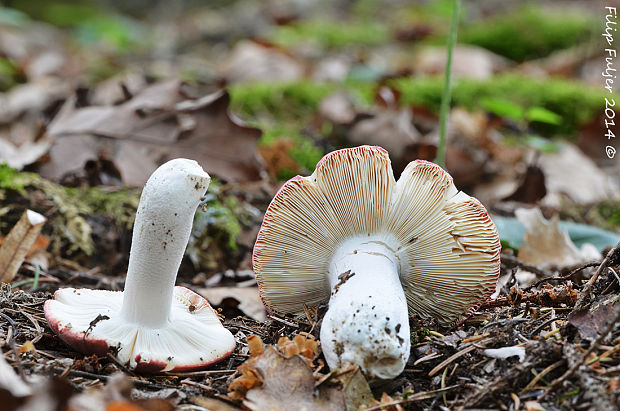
column 10, row 381
column 153, row 126
column 288, row 381
column 302, row 345
column 591, row 321
column 388, row 403
column 281, row 377
column 18, row 243
column 545, row 244
column 308, row 348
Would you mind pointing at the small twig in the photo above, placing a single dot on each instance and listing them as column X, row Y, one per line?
column 507, row 321
column 428, row 357
column 556, row 383
column 611, row 283
column 118, row 364
column 11, row 322
column 290, row 324
column 611, row 370
column 543, row 325
column 512, row 261
column 562, row 278
column 585, row 293
column 200, row 373
column 415, row 397
column 453, row 357
column 541, row 374
column 92, row 376
column 555, row 297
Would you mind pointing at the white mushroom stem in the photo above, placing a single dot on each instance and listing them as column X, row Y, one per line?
column 367, row 322
column 160, row 235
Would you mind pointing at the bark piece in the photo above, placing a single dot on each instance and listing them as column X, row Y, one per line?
column 18, row 242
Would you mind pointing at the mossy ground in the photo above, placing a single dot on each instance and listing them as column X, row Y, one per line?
column 74, row 213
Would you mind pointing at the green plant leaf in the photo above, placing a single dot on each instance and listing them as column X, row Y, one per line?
column 543, row 115
column 503, row 108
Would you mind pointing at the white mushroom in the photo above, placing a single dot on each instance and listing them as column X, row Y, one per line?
column 153, row 325
column 378, row 251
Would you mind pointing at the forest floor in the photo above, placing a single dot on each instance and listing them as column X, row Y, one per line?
column 94, row 98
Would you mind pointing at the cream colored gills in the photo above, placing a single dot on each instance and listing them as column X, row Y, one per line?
column 351, row 235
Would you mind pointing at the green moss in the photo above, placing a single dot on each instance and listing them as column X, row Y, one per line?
column 281, row 101
column 604, row 214
column 216, row 228
column 72, row 207
column 529, row 32
column 293, row 104
column 69, row 211
column 303, row 151
column 573, row 102
column 332, row 34
column 10, row 74
column 419, row 335
column 11, row 179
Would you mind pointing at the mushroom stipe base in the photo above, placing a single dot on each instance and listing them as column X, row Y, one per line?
column 367, row 321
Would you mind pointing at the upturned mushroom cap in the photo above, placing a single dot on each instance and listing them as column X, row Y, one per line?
column 446, row 244
column 153, row 325
column 90, row 322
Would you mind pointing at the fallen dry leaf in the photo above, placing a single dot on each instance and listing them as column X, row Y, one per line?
column 275, row 377
column 31, row 97
column 390, row 128
column 570, row 173
column 546, row 245
column 20, row 156
column 26, row 347
column 531, row 187
column 247, row 298
column 277, row 158
column 255, row 345
column 590, row 321
column 123, row 406
column 155, row 125
column 10, row 381
column 302, row 344
column 250, row 61
column 338, row 108
column 18, row 243
column 468, row 61
column 214, row 404
column 388, row 403
column 357, row 393
column 289, row 381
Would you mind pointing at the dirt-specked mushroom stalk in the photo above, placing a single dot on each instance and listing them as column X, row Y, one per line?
column 367, row 317
column 160, row 234
column 378, row 250
column 153, row 325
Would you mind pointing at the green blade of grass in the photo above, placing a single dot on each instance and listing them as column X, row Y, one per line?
column 447, row 85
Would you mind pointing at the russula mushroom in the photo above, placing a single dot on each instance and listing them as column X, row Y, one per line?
column 153, row 325
column 378, row 250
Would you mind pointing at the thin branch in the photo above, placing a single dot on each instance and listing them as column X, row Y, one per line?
column 512, row 261
column 612, row 255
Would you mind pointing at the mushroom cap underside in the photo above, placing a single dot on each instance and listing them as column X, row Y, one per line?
column 90, row 322
column 447, row 245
